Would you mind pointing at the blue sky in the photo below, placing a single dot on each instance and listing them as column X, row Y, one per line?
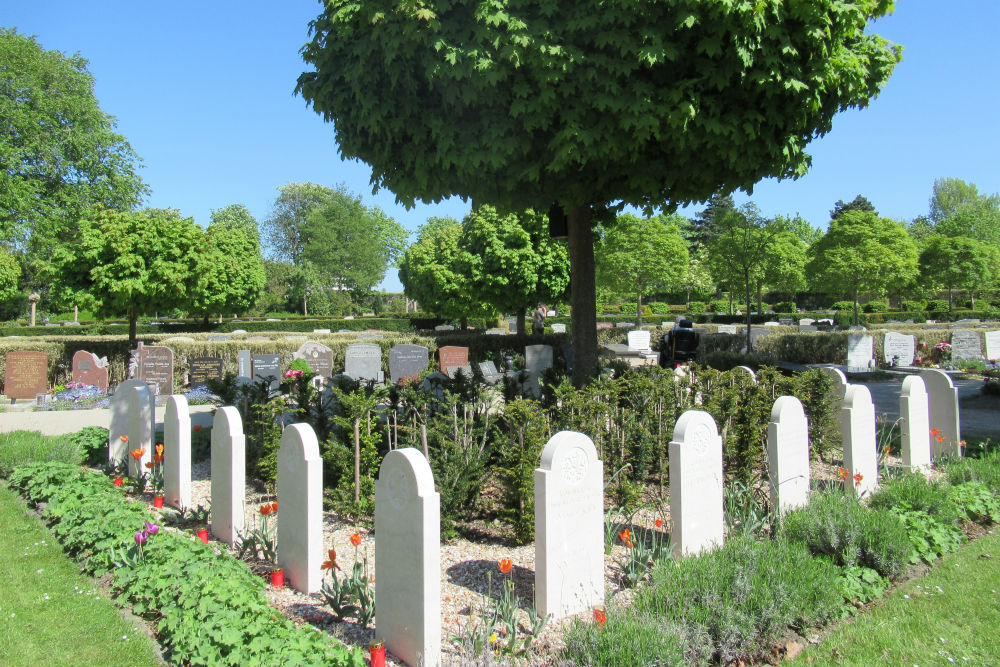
column 203, row 91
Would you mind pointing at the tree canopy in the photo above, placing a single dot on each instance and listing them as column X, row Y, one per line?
column 233, row 275
column 59, row 151
column 958, row 209
column 959, row 263
column 588, row 104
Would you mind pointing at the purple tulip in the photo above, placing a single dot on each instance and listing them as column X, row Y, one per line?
column 140, row 537
column 151, row 528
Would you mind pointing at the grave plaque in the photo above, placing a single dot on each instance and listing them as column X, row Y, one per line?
column 490, row 372
column 26, row 374
column 318, row 356
column 859, row 352
column 785, row 321
column 992, row 345
column 90, row 369
column 363, row 361
column 267, row 367
column 604, row 325
column 244, row 361
column 496, row 331
column 808, row 328
column 465, row 370
column 451, row 356
column 898, row 348
column 966, row 344
column 559, row 328
column 407, row 362
column 806, row 321
column 217, row 339
column 203, row 369
column 731, row 329
column 370, row 335
column 156, row 368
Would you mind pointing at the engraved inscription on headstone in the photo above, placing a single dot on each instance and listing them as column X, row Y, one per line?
column 26, row 374
column 898, row 348
column 267, row 367
column 244, row 364
column 859, row 352
column 452, row 356
column 90, row 369
column 407, row 361
column 203, row 369
column 966, row 344
column 156, row 367
column 318, row 356
column 363, row 361
column 992, row 345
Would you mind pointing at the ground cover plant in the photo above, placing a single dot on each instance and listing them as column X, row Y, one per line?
column 18, row 447
column 53, row 615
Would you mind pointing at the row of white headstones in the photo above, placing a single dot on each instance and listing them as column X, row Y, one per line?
column 569, row 483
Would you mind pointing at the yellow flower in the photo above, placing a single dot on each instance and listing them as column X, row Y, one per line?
column 493, row 638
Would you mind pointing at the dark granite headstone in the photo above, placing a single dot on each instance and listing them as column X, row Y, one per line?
column 567, row 353
column 363, row 361
column 203, row 369
column 267, row 367
column 244, row 363
column 90, row 369
column 407, row 361
column 156, row 368
column 452, row 356
column 318, row 356
column 26, row 374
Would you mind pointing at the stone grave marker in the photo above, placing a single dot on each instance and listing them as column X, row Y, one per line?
column 512, row 324
column 321, row 331
column 966, row 344
column 915, row 424
column 90, row 369
column 177, row 452
column 496, row 332
column 857, row 428
column 318, row 356
column 788, row 454
column 407, row 361
column 257, row 339
column 772, row 324
column 558, row 328
column 239, row 331
column 369, row 335
column 203, row 369
column 363, row 361
column 118, row 425
column 942, row 400
column 228, row 474
column 451, row 356
column 898, row 347
column 244, row 364
column 786, row 321
column 465, row 370
column 696, row 484
column 992, row 345
column 267, row 368
column 639, row 340
column 26, row 374
column 806, row 321
column 444, row 327
column 408, row 558
column 219, row 338
column 624, row 325
column 603, row 325
column 490, row 372
column 569, row 526
column 348, row 317
column 748, row 371
column 156, row 367
column 839, row 381
column 731, row 329
column 756, row 333
column 537, row 358
column 808, row 328
column 140, row 429
column 859, row 353
column 179, row 339
column 567, row 353
column 300, row 497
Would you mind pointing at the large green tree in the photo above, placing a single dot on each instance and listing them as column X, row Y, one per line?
column 282, row 232
column 958, row 209
column 135, row 263
column 588, row 104
column 862, row 252
column 637, row 256
column 233, row 275
column 432, row 275
column 509, row 261
column 958, row 262
column 59, row 153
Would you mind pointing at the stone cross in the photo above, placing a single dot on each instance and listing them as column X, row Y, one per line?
column 942, row 399
column 177, row 452
column 915, row 424
column 300, row 497
column 408, row 558
column 788, row 454
column 228, row 474
column 569, row 526
column 696, row 484
column 857, row 428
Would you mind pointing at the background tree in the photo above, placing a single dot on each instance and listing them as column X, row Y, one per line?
column 959, row 263
column 859, row 203
column 233, row 275
column 801, row 228
column 282, row 232
column 784, row 264
column 136, row 263
column 698, row 278
column 585, row 104
column 510, row 262
column 431, row 273
column 639, row 256
column 59, row 151
column 958, row 209
column 10, row 273
column 862, row 252
column 704, row 225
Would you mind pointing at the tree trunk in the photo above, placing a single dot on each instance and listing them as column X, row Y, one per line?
column 305, row 306
column 760, row 300
column 746, row 287
column 731, row 309
column 463, row 322
column 583, row 298
column 687, row 299
column 132, row 318
column 857, row 310
column 638, row 309
column 949, row 298
column 357, row 461
column 521, row 326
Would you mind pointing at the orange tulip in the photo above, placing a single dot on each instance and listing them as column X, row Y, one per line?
column 505, row 565
column 158, row 458
column 332, row 562
column 159, row 449
column 196, row 427
column 356, row 539
column 274, row 507
column 265, row 509
column 149, row 464
column 137, row 454
column 857, row 479
column 626, row 537
column 658, row 523
column 119, row 481
column 843, row 472
column 940, row 438
column 123, row 438
column 935, row 431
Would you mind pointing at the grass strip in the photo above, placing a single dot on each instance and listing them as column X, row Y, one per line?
column 20, row 447
column 949, row 617
column 50, row 614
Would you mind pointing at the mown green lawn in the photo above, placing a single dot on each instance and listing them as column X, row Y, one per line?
column 50, row 614
column 949, row 617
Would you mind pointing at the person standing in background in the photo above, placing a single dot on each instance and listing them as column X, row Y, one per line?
column 538, row 323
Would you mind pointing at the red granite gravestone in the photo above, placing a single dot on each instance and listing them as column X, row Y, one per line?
column 452, row 356
column 90, row 369
column 26, row 374
column 156, row 367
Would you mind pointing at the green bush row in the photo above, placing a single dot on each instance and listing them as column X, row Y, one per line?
column 208, row 608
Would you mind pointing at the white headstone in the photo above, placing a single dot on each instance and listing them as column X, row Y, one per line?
column 839, row 381
column 748, row 371
column 942, row 399
column 228, row 474
column 992, row 345
column 119, row 423
column 696, row 484
column 140, row 428
column 177, row 452
column 569, row 526
column 731, row 329
column 898, row 347
column 857, row 428
column 966, row 344
column 915, row 424
column 558, row 328
column 859, row 352
column 806, row 321
column 638, row 340
column 788, row 454
column 300, row 498
column 408, row 558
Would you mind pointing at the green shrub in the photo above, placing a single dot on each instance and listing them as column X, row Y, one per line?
column 719, row 305
column 785, row 307
column 977, row 502
column 525, row 434
column 628, row 638
column 814, row 389
column 937, row 304
column 876, row 307
column 842, row 305
column 912, row 491
column 914, row 305
column 985, row 470
column 23, row 447
column 659, row 307
column 92, row 441
column 836, row 525
column 697, row 307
